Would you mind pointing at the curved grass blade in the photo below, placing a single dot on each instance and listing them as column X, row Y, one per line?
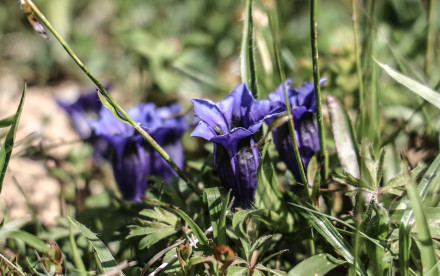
column 328, row 231
column 29, row 239
column 423, row 91
column 7, row 121
column 317, row 265
column 203, row 240
column 8, row 144
column 106, row 258
column 429, row 179
column 12, row 226
column 426, row 247
column 345, row 139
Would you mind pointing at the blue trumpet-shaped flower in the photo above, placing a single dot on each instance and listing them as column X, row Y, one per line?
column 303, row 105
column 83, row 110
column 131, row 158
column 230, row 124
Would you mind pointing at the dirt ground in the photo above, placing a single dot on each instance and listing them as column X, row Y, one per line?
column 42, row 123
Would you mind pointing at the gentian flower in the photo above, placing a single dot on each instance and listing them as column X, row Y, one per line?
column 131, row 158
column 83, row 110
column 303, row 105
column 231, row 124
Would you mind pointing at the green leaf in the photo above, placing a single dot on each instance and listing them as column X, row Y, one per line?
column 12, row 226
column 214, row 201
column 345, row 139
column 106, row 258
column 222, row 221
column 203, row 240
column 160, row 215
column 8, row 144
column 268, row 194
column 154, row 236
column 423, row 91
column 105, row 102
column 29, row 239
column 7, row 121
column 237, row 225
column 316, row 265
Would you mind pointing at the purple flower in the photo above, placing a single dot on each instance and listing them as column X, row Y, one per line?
column 83, row 110
column 303, row 105
column 230, row 124
column 131, row 158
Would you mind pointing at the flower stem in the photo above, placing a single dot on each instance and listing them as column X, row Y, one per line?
column 314, row 40
column 276, row 41
column 110, row 99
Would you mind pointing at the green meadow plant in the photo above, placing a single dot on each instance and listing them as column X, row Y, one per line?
column 289, row 182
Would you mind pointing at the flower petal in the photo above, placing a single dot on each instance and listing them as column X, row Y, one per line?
column 208, row 112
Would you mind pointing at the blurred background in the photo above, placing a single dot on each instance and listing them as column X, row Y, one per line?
column 171, row 50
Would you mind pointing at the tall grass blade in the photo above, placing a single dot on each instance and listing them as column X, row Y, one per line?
column 8, row 144
column 324, row 227
column 248, row 72
column 106, row 258
column 316, row 81
column 273, row 20
column 426, row 247
column 423, row 91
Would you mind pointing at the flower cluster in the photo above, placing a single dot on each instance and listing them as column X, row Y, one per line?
column 230, row 124
column 131, row 158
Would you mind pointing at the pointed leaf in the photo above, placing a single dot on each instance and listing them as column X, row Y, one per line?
column 345, row 139
column 423, row 91
column 8, row 144
column 106, row 258
column 317, row 265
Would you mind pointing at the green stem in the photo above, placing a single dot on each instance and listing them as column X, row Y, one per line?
column 430, row 41
column 357, row 48
column 316, row 81
column 430, row 38
column 276, row 42
column 120, row 110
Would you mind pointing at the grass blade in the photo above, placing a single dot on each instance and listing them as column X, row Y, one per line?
column 7, row 121
column 428, row 256
column 8, row 144
column 317, row 265
column 423, row 91
column 106, row 258
column 321, row 224
column 248, row 75
column 316, row 81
